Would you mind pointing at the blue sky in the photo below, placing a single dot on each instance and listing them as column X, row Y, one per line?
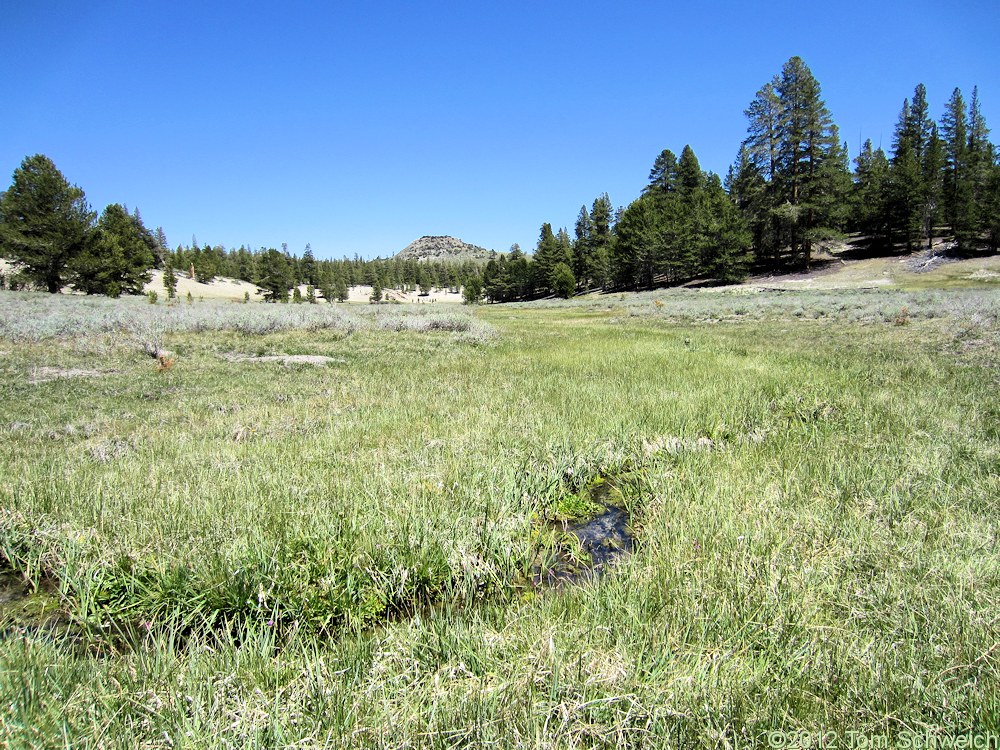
column 358, row 127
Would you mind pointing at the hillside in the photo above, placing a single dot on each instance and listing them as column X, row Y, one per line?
column 442, row 249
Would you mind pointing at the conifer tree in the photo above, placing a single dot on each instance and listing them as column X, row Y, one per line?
column 584, row 229
column 45, row 222
column 727, row 252
column 472, row 290
column 204, row 264
column 275, row 275
column 689, row 174
column 932, row 166
column 991, row 209
column 491, row 279
column 663, row 175
column 793, row 146
column 162, row 248
column 547, row 254
column 602, row 215
column 808, row 142
column 637, row 247
column 746, row 186
column 764, row 130
column 563, row 281
column 519, row 274
column 308, row 267
column 170, row 281
column 914, row 177
column 117, row 258
column 871, row 196
column 959, row 207
column 340, row 289
column 982, row 158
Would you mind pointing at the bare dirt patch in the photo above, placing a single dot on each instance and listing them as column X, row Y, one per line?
column 983, row 273
column 47, row 374
column 285, row 359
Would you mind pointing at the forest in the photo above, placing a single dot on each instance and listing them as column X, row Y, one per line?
column 790, row 189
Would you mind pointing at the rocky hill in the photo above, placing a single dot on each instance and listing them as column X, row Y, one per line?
column 442, row 249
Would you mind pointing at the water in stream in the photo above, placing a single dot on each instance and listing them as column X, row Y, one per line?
column 585, row 548
column 27, row 610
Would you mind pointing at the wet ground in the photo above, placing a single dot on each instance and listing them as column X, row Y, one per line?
column 584, row 549
column 30, row 610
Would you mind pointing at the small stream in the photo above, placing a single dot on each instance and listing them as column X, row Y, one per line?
column 28, row 610
column 586, row 548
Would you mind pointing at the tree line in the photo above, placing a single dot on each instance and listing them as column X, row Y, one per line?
column 277, row 272
column 48, row 229
column 790, row 189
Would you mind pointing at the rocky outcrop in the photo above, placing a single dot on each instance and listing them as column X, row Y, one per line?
column 442, row 249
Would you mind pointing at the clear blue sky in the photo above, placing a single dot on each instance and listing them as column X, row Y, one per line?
column 360, row 126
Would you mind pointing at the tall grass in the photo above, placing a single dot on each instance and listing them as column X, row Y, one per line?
column 282, row 556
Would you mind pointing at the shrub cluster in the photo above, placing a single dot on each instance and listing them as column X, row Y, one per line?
column 36, row 317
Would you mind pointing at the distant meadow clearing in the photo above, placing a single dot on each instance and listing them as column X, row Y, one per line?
column 329, row 526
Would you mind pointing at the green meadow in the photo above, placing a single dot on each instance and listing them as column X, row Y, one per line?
column 241, row 549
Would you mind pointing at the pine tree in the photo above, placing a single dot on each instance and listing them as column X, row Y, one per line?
column 495, row 281
column 45, row 222
column 547, row 255
column 832, row 202
column 793, row 146
column 563, row 280
column 871, row 196
column 491, row 279
column 170, row 281
column 117, row 258
column 308, row 267
column 748, row 189
column 914, row 178
column 584, row 229
column 246, row 269
column 663, row 175
column 689, row 174
column 764, row 131
column 602, row 216
column 932, row 166
column 808, row 142
column 472, row 290
column 905, row 180
column 162, row 248
column 959, row 206
column 637, row 248
column 991, row 209
column 591, row 250
column 727, row 252
column 981, row 161
column 341, row 290
column 519, row 272
column 203, row 264
column 694, row 230
column 275, row 276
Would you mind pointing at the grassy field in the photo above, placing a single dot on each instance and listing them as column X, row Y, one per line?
column 236, row 552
